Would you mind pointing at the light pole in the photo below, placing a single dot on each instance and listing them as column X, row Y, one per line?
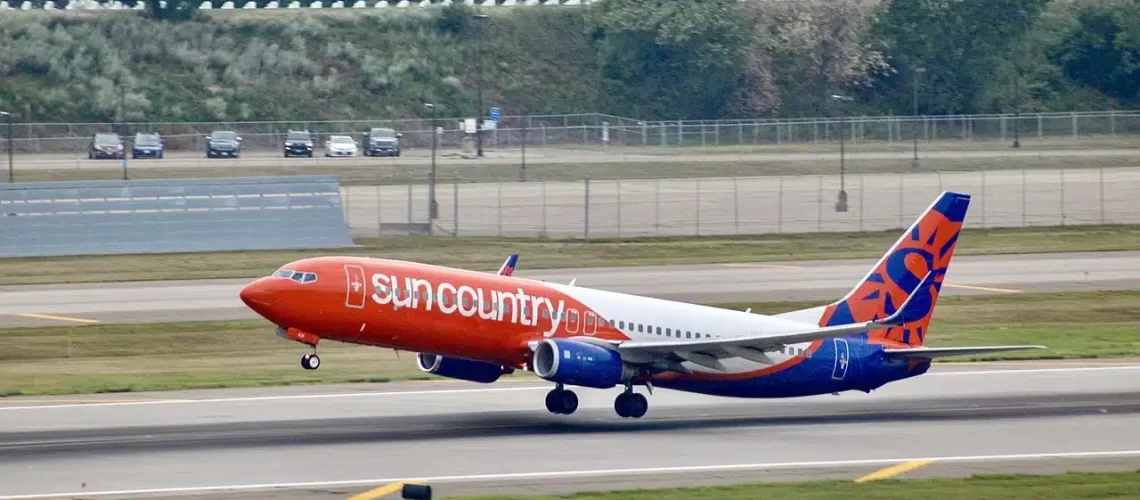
column 11, row 169
column 479, row 87
column 433, row 207
column 914, row 118
column 522, row 107
column 841, row 200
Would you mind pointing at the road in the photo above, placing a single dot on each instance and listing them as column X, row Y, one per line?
column 746, row 205
column 201, row 300
column 330, row 442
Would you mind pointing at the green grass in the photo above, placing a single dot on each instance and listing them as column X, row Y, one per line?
column 1072, row 486
column 385, row 172
column 488, row 253
column 144, row 357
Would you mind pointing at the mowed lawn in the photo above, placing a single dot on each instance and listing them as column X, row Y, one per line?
column 1074, row 486
column 488, row 253
column 143, row 357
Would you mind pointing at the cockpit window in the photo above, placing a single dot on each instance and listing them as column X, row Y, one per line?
column 298, row 276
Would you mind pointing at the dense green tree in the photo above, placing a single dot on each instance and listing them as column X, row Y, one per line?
column 957, row 42
column 1103, row 49
column 669, row 58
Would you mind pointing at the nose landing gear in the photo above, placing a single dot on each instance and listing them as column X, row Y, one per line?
column 310, row 361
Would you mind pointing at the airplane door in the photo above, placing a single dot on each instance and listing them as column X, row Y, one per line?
column 354, row 298
column 842, row 359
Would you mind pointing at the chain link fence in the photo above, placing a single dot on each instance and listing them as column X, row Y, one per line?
column 740, row 205
column 598, row 130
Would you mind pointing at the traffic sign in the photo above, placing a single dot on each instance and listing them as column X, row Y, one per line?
column 494, row 114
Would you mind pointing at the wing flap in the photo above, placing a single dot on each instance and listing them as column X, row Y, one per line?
column 942, row 352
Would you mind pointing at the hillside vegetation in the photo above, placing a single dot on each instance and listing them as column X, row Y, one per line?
column 652, row 59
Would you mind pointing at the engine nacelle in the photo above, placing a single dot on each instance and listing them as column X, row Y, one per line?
column 459, row 368
column 579, row 363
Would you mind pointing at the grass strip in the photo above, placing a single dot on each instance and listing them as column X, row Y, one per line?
column 1071, row 486
column 198, row 355
column 488, row 253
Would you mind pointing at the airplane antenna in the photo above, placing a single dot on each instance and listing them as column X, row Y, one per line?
column 573, row 281
column 748, row 310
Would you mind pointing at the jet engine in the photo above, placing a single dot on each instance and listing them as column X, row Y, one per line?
column 579, row 363
column 459, row 368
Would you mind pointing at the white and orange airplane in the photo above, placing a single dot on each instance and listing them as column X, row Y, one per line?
column 478, row 326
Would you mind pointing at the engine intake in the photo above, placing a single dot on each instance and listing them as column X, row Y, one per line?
column 459, row 368
column 579, row 363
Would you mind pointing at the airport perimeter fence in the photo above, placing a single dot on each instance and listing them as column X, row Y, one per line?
column 594, row 130
column 740, row 205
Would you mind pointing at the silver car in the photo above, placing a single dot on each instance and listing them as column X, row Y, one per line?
column 340, row 145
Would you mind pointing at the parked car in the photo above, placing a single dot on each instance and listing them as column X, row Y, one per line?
column 298, row 143
column 223, row 143
column 381, row 142
column 147, row 146
column 340, row 145
column 106, row 145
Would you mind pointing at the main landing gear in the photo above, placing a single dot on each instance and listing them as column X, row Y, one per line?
column 628, row 404
column 561, row 401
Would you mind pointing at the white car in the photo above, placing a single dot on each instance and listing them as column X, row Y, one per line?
column 340, row 145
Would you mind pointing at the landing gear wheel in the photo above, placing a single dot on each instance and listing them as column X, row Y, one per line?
column 310, row 362
column 631, row 405
column 561, row 402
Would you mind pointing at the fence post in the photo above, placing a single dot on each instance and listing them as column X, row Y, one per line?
column 698, row 207
column 780, row 204
column 1039, row 126
column 1063, row 195
column 983, row 199
column 619, row 208
column 657, row 205
column 455, row 203
column 735, row 206
column 1024, row 222
column 1100, row 196
column 587, row 208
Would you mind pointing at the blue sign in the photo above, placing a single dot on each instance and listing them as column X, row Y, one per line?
column 494, row 114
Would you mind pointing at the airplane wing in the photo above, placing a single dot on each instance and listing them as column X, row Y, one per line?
column 707, row 352
column 508, row 266
column 941, row 352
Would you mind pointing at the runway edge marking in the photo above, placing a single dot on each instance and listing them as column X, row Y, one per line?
column 589, row 473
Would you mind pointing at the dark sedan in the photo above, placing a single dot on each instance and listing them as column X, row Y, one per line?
column 147, row 146
column 223, row 143
column 106, row 146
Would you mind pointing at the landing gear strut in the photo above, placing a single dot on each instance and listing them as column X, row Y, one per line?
column 630, row 404
column 561, row 401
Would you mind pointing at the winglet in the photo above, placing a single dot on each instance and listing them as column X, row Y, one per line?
column 508, row 267
column 916, row 306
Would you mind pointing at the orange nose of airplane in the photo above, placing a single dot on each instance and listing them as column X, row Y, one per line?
column 258, row 296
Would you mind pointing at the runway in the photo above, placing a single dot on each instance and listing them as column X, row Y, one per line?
column 203, row 300
column 330, row 442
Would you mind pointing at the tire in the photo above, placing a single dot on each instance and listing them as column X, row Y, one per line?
column 416, row 491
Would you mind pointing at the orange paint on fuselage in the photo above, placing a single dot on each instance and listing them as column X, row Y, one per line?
column 449, row 311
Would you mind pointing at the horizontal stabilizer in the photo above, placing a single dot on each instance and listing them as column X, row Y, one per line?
column 508, row 267
column 942, row 352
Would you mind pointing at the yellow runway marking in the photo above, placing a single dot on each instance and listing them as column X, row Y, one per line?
column 74, row 401
column 982, row 288
column 770, row 266
column 892, row 471
column 387, row 489
column 56, row 318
